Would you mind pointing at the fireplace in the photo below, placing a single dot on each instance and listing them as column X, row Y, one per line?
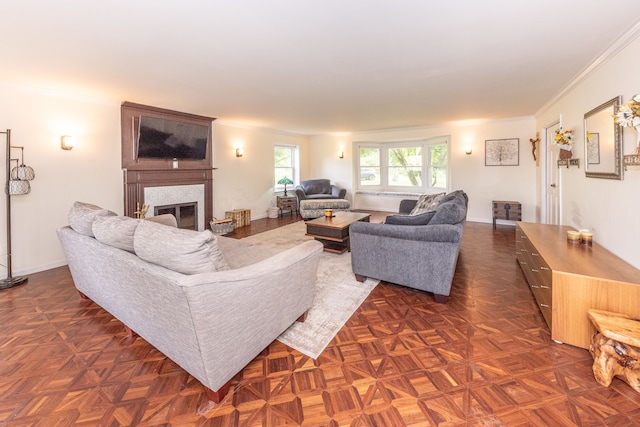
column 186, row 214
column 163, row 182
column 185, row 202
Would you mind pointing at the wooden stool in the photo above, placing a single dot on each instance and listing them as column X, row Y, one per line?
column 615, row 348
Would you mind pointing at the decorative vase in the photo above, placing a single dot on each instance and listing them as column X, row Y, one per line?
column 565, row 152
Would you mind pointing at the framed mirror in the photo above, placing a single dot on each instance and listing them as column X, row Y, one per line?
column 603, row 142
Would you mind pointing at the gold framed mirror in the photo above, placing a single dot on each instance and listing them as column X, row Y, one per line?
column 603, row 142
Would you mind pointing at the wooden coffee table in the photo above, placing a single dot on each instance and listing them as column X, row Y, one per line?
column 333, row 232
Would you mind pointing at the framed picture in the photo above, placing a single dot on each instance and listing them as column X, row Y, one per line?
column 502, row 152
column 593, row 148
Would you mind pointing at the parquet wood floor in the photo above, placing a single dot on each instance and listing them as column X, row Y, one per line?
column 483, row 359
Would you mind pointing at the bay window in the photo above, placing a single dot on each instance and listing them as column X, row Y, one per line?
column 396, row 166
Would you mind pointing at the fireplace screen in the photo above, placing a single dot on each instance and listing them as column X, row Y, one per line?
column 186, row 214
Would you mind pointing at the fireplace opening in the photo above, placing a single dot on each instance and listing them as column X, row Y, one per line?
column 186, row 214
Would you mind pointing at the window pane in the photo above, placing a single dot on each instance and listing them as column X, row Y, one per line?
column 283, row 157
column 405, row 176
column 369, row 166
column 282, row 172
column 284, row 165
column 405, row 167
column 439, row 177
column 411, row 156
column 438, row 156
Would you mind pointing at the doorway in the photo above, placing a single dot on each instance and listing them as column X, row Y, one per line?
column 552, row 182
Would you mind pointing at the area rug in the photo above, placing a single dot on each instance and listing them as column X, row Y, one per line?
column 337, row 295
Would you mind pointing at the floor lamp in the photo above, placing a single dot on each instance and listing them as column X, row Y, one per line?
column 17, row 184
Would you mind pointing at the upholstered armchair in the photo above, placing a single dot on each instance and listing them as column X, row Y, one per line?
column 319, row 189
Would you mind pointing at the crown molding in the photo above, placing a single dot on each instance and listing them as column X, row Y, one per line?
column 620, row 43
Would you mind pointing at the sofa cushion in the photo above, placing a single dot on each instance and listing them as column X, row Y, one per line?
column 451, row 212
column 426, row 203
column 184, row 251
column 81, row 217
column 420, row 219
column 316, row 186
column 118, row 231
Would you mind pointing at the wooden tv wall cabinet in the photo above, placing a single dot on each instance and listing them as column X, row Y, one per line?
column 567, row 280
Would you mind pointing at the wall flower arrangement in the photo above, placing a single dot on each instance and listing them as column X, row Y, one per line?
column 564, row 140
column 564, row 137
column 628, row 115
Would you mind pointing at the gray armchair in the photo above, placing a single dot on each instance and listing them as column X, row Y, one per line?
column 319, row 189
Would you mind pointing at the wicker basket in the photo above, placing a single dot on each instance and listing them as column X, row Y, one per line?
column 222, row 226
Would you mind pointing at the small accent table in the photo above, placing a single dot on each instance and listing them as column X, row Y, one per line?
column 615, row 348
column 287, row 203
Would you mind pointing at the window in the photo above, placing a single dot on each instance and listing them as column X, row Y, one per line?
column 285, row 162
column 404, row 166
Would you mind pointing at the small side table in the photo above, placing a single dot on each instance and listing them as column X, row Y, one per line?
column 509, row 210
column 615, row 348
column 287, row 203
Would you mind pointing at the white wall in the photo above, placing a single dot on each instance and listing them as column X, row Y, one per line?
column 468, row 172
column 608, row 207
column 247, row 182
column 90, row 172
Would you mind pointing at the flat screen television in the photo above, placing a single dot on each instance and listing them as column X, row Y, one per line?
column 160, row 138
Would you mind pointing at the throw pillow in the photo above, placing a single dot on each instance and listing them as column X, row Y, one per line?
column 116, row 231
column 457, row 194
column 451, row 212
column 81, row 217
column 426, row 203
column 184, row 251
column 420, row 219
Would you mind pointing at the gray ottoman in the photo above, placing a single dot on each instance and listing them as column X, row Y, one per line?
column 314, row 208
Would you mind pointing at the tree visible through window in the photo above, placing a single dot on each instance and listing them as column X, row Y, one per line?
column 397, row 166
column 405, row 167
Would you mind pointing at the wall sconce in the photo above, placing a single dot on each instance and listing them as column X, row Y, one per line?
column 468, row 150
column 239, row 152
column 67, row 142
column 341, row 154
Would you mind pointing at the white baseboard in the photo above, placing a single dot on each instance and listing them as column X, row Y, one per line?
column 38, row 269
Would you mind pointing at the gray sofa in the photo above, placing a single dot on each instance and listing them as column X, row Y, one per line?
column 419, row 251
column 319, row 189
column 213, row 322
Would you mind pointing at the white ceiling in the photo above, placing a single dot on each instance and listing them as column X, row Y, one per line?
column 312, row 67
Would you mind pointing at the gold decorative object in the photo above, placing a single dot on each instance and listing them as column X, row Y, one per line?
column 141, row 212
column 628, row 115
column 534, row 148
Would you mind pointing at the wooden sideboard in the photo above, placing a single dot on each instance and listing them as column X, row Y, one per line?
column 568, row 279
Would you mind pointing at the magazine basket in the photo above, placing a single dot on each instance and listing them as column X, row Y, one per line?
column 222, row 226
